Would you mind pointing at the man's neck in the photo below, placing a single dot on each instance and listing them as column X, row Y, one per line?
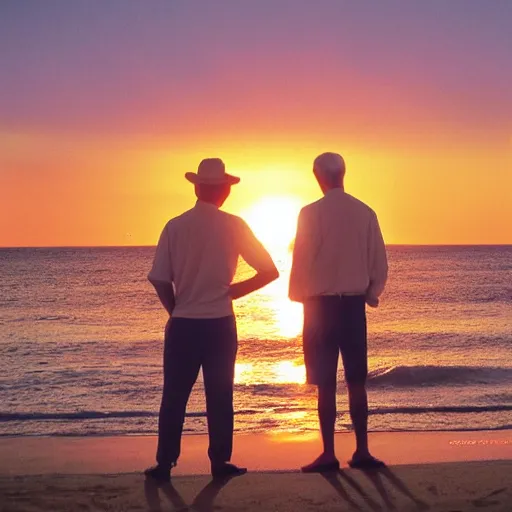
column 208, row 204
column 341, row 188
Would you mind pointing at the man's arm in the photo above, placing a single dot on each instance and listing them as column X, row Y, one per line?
column 256, row 256
column 296, row 290
column 261, row 279
column 378, row 263
column 165, row 292
column 161, row 273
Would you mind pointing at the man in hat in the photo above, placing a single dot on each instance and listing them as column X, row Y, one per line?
column 192, row 272
column 339, row 265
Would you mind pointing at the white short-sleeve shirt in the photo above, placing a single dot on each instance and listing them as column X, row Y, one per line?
column 198, row 253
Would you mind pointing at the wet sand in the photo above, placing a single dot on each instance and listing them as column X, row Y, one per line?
column 439, row 471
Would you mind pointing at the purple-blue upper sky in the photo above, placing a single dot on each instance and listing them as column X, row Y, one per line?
column 129, row 65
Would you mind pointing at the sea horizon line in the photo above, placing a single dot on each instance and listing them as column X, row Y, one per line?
column 143, row 246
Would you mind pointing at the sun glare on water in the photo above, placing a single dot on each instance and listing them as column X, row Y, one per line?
column 274, row 221
column 282, row 372
column 289, row 372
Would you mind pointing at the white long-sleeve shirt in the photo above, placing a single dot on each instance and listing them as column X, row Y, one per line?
column 338, row 249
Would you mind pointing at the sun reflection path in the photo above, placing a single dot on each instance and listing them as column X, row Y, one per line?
column 287, row 315
column 244, row 373
column 289, row 372
column 274, row 221
column 279, row 372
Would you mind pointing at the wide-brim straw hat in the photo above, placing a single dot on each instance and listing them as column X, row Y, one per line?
column 211, row 171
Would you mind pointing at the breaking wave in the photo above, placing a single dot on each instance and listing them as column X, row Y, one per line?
column 417, row 376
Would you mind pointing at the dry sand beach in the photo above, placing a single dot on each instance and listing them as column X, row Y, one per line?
column 441, row 471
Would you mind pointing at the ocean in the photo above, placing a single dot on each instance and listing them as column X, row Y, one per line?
column 81, row 346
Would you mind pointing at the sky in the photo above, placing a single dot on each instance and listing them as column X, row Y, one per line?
column 105, row 105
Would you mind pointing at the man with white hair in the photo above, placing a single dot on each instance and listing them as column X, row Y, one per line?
column 339, row 265
column 193, row 269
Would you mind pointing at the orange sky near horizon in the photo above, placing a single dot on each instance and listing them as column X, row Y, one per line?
column 99, row 119
column 113, row 193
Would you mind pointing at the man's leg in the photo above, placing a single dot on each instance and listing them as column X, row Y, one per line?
column 358, row 400
column 327, row 460
column 353, row 346
column 219, row 373
column 182, row 360
column 358, row 403
column 327, row 417
column 321, row 354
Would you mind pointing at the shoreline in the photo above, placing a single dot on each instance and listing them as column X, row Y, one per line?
column 259, row 432
column 256, row 433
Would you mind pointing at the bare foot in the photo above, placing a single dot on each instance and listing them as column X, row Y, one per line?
column 365, row 460
column 325, row 462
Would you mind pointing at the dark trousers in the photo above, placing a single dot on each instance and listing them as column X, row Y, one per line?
column 189, row 345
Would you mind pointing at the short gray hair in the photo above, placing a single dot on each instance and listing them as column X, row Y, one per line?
column 329, row 167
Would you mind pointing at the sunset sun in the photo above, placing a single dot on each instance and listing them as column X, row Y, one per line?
column 274, row 221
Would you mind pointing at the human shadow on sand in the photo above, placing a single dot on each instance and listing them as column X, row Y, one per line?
column 376, row 476
column 203, row 502
column 336, row 480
